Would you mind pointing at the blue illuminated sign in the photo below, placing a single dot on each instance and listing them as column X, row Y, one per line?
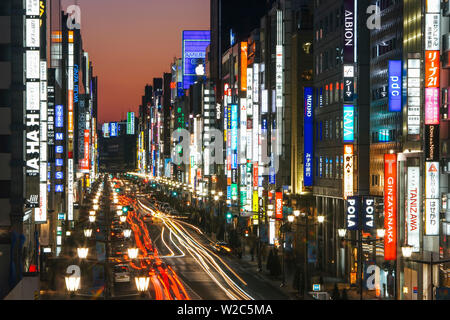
column 59, row 162
column 113, row 129
column 59, row 136
column 194, row 53
column 59, row 116
column 59, row 149
column 59, row 188
column 308, row 138
column 59, row 175
column 75, row 83
column 349, row 123
column 395, row 85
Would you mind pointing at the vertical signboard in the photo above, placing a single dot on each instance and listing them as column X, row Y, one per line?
column 244, row 55
column 414, row 96
column 368, row 211
column 349, row 123
column 413, row 204
column 432, row 198
column 395, row 85
column 279, row 83
column 390, row 206
column 194, row 53
column 279, row 205
column 113, row 129
column 348, row 170
column 431, row 142
column 308, row 138
column 349, row 83
column 32, row 105
column 130, row 123
column 349, row 31
column 352, row 213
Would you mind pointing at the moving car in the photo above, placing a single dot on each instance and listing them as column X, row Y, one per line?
column 222, row 247
column 121, row 273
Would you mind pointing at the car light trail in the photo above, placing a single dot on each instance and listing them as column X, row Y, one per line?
column 202, row 255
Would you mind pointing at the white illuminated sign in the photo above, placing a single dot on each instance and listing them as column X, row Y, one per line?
column 414, row 96
column 432, row 200
column 413, row 208
column 432, row 31
column 348, row 171
column 32, row 62
column 32, row 37
column 70, row 190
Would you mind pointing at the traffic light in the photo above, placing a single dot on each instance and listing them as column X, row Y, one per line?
column 246, row 233
column 175, row 193
column 125, row 209
column 229, row 215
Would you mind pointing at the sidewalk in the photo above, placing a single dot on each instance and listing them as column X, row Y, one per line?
column 275, row 282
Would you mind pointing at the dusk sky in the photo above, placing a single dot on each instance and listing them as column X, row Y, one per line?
column 131, row 42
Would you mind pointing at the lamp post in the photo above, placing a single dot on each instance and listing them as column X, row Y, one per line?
column 133, row 253
column 72, row 284
column 127, row 233
column 380, row 234
column 142, row 283
column 87, row 232
column 82, row 252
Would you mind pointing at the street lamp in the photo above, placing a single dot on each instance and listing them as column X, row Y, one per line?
column 91, row 218
column 296, row 213
column 342, row 232
column 95, row 207
column 291, row 218
column 320, row 219
column 407, row 251
column 142, row 284
column 127, row 233
column 123, row 219
column 82, row 252
column 381, row 233
column 87, row 233
column 72, row 283
column 92, row 213
column 133, row 253
column 119, row 212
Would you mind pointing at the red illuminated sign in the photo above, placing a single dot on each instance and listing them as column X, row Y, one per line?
column 390, row 206
column 279, row 205
column 255, row 174
column 432, row 69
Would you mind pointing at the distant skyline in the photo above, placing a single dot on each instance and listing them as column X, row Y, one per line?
column 132, row 42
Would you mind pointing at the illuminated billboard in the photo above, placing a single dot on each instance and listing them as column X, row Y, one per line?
column 432, row 195
column 349, row 123
column 413, row 209
column 113, row 129
column 414, row 96
column 390, row 206
column 308, row 138
column 194, row 53
column 395, row 85
column 130, row 123
column 348, row 171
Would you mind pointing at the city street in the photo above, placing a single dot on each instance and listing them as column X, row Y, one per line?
column 225, row 150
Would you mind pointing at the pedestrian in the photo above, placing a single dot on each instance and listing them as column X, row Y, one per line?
column 252, row 252
column 344, row 294
column 269, row 265
column 335, row 295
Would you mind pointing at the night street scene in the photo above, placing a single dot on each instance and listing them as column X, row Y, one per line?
column 249, row 155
